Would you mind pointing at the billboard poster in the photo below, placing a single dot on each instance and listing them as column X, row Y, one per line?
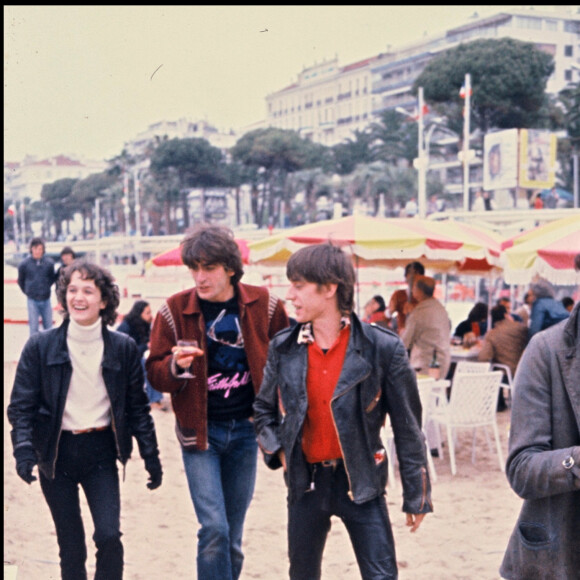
column 500, row 160
column 537, row 158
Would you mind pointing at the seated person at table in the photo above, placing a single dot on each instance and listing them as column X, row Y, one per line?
column 476, row 322
column 504, row 343
column 427, row 328
column 375, row 311
column 505, row 301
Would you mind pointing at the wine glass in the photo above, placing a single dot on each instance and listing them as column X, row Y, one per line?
column 187, row 347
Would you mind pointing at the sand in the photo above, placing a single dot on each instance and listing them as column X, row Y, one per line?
column 464, row 538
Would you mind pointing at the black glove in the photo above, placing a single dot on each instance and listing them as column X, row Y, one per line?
column 25, row 461
column 153, row 466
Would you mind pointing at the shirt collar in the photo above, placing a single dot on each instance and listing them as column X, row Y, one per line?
column 306, row 334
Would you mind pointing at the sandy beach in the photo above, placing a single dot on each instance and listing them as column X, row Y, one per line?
column 463, row 539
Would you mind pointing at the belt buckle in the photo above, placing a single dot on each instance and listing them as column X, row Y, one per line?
column 330, row 463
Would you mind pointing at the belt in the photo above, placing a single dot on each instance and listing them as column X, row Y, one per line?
column 334, row 463
column 90, row 430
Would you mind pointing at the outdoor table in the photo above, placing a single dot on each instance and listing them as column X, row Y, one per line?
column 459, row 353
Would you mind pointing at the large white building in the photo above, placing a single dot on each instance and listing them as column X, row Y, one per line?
column 181, row 129
column 24, row 180
column 329, row 102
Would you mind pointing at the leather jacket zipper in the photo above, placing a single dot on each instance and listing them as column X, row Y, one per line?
column 350, row 494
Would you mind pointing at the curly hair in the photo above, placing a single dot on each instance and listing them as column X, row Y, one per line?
column 209, row 244
column 104, row 281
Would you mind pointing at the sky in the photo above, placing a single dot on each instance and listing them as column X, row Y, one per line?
column 83, row 80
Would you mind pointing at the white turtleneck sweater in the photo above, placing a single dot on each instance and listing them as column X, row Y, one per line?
column 87, row 403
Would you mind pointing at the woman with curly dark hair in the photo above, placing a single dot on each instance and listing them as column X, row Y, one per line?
column 137, row 324
column 77, row 402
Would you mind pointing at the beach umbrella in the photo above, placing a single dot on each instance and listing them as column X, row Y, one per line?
column 173, row 257
column 547, row 251
column 442, row 246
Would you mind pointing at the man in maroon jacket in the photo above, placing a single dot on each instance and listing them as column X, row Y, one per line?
column 232, row 324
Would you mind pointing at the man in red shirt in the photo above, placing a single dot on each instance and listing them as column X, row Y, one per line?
column 328, row 383
column 402, row 301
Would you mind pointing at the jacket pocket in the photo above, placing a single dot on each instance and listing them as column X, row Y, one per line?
column 41, row 432
column 533, row 536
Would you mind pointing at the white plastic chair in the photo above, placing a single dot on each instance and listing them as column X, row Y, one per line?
column 464, row 366
column 425, row 387
column 472, row 404
column 508, row 375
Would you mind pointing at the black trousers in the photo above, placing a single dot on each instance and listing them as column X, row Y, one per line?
column 89, row 461
column 368, row 526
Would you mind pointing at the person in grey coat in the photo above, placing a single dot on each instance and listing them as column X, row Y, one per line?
column 543, row 465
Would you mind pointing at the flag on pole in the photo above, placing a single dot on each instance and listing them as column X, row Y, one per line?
column 462, row 92
column 425, row 111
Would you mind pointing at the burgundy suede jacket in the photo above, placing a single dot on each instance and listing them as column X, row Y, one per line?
column 262, row 315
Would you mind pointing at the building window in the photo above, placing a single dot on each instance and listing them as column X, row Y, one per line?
column 552, row 25
column 568, row 50
column 529, row 22
column 568, row 75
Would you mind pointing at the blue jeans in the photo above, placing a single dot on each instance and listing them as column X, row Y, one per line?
column 36, row 308
column 368, row 526
column 153, row 395
column 88, row 460
column 221, row 483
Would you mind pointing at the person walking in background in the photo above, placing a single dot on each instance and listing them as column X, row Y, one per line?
column 137, row 324
column 546, row 310
column 328, row 384
column 543, row 464
column 232, row 323
column 478, row 203
column 402, row 301
column 36, row 275
column 411, row 208
column 375, row 311
column 76, row 403
column 428, row 329
column 67, row 257
column 525, row 310
column 488, row 202
column 504, row 344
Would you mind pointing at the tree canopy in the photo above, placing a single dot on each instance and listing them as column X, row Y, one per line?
column 196, row 162
column 508, row 80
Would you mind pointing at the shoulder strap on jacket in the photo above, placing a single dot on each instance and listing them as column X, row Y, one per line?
column 166, row 313
column 272, row 304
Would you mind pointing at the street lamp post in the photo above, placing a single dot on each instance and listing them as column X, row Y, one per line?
column 422, row 169
column 466, row 131
column 336, row 204
column 126, row 201
column 420, row 163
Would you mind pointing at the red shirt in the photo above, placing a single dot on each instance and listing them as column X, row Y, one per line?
column 319, row 437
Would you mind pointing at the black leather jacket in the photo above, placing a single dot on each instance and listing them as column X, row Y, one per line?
column 376, row 379
column 40, row 388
